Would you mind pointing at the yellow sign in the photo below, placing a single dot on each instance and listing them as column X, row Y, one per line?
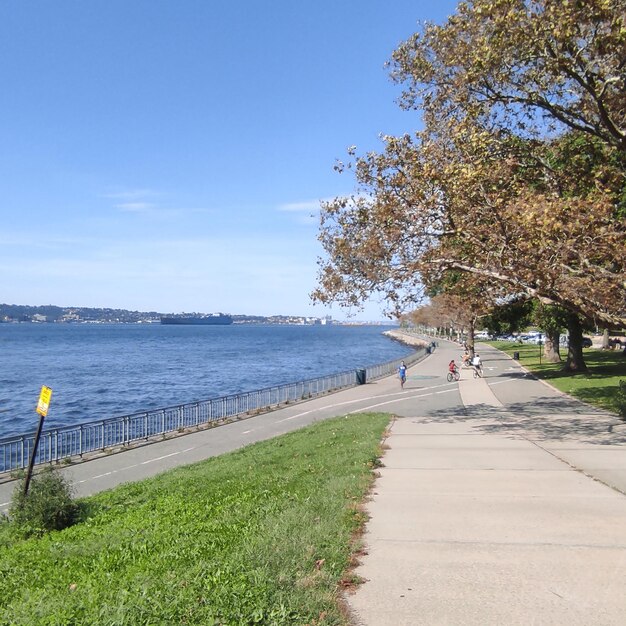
column 44, row 400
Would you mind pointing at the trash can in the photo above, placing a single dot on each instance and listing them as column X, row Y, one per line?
column 516, row 356
column 360, row 377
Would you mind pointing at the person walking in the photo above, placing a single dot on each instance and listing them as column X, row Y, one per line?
column 402, row 374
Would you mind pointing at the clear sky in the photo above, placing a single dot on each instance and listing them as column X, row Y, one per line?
column 171, row 155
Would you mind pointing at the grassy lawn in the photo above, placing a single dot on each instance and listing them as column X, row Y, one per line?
column 264, row 535
column 599, row 386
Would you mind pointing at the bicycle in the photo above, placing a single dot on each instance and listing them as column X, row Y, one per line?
column 454, row 376
column 478, row 372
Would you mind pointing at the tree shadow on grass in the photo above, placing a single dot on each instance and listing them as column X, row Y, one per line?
column 601, row 371
column 607, row 396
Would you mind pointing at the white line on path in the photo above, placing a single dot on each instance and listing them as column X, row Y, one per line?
column 160, row 458
column 128, row 467
column 403, row 395
column 379, row 404
column 116, row 471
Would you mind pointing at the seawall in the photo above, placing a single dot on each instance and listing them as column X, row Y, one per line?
column 407, row 338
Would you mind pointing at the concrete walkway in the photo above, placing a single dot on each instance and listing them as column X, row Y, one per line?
column 497, row 515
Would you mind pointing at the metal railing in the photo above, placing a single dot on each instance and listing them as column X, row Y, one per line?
column 114, row 433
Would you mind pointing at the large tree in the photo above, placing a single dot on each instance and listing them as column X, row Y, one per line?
column 531, row 66
column 518, row 176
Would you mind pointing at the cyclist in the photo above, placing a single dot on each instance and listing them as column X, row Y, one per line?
column 477, row 364
column 465, row 360
column 453, row 372
column 402, row 374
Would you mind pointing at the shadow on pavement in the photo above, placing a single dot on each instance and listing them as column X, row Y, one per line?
column 542, row 419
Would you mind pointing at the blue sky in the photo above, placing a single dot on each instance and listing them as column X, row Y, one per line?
column 171, row 155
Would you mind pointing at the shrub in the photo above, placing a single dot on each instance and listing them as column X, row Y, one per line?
column 49, row 504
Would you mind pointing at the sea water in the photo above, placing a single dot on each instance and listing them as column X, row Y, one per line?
column 97, row 371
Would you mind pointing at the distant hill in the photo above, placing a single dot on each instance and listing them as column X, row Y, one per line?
column 51, row 313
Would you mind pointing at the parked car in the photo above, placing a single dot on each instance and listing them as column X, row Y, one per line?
column 505, row 338
column 587, row 343
column 536, row 339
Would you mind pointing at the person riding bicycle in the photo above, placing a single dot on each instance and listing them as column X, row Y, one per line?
column 477, row 364
column 452, row 367
column 465, row 359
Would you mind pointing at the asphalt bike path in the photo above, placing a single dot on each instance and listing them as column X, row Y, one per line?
column 501, row 501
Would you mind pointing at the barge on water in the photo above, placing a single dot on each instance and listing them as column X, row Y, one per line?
column 198, row 320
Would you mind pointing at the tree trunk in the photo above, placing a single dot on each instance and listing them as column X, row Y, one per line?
column 605, row 340
column 575, row 360
column 470, row 338
column 551, row 348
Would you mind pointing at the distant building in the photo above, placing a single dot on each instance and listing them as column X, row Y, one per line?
column 70, row 317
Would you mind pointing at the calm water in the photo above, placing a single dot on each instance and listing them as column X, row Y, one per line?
column 100, row 371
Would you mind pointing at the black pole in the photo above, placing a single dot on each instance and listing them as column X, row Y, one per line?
column 31, row 462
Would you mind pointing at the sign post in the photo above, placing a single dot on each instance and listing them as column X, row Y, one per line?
column 42, row 409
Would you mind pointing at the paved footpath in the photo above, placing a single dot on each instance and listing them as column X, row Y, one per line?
column 500, row 502
column 511, row 511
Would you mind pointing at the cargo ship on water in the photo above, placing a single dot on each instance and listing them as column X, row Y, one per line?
column 213, row 319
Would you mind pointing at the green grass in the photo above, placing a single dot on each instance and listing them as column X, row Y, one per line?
column 264, row 535
column 599, row 386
